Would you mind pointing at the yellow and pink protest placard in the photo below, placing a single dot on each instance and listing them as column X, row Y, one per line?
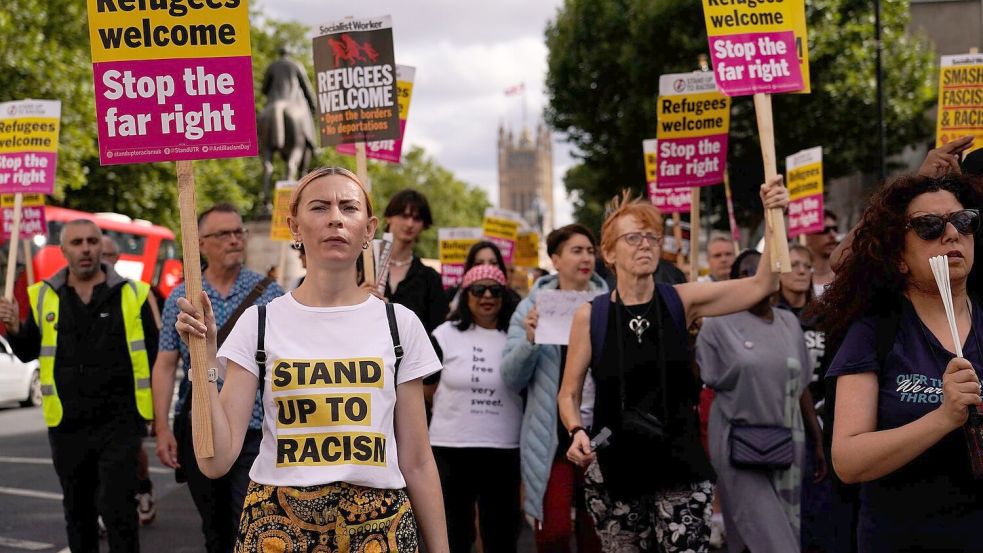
column 804, row 175
column 173, row 80
column 694, row 121
column 502, row 227
column 390, row 150
column 960, row 100
column 279, row 229
column 29, row 146
column 668, row 200
column 32, row 219
column 527, row 249
column 758, row 46
column 453, row 245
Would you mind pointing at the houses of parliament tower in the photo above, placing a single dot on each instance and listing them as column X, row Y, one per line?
column 525, row 175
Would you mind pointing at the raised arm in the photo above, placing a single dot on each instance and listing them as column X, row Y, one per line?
column 862, row 453
column 519, row 358
column 232, row 409
column 712, row 299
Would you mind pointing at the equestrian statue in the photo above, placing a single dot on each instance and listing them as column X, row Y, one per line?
column 285, row 124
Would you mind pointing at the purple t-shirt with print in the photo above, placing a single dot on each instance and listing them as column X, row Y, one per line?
column 932, row 503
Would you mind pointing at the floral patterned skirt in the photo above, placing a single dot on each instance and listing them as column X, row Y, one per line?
column 333, row 518
column 673, row 521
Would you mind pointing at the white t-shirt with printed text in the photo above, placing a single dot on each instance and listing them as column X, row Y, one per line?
column 329, row 394
column 472, row 406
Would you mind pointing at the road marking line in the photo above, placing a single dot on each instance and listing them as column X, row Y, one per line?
column 46, row 461
column 24, row 544
column 30, row 493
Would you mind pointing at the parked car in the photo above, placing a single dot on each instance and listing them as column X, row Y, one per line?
column 19, row 381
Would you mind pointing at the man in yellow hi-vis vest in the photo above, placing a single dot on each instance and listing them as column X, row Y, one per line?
column 94, row 335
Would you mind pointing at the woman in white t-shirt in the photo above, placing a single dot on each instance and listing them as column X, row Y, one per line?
column 474, row 431
column 345, row 451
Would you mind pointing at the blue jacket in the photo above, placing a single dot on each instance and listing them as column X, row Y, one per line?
column 537, row 368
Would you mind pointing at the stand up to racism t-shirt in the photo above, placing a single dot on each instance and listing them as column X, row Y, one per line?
column 329, row 391
column 472, row 406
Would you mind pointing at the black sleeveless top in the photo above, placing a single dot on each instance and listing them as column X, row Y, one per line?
column 631, row 467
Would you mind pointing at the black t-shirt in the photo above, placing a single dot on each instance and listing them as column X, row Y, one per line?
column 629, row 466
column 816, row 346
column 422, row 292
column 932, row 503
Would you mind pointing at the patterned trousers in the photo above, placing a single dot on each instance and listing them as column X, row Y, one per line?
column 672, row 521
column 333, row 518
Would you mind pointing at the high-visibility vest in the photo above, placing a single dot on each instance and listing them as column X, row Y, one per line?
column 44, row 306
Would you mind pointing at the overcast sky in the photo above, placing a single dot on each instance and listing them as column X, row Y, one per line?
column 466, row 54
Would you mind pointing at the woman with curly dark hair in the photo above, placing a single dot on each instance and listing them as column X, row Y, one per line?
column 899, row 410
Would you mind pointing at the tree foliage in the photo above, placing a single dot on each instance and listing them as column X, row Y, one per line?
column 45, row 54
column 605, row 58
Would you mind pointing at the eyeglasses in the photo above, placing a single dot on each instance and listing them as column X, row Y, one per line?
column 478, row 290
column 635, row 238
column 931, row 226
column 224, row 235
column 830, row 228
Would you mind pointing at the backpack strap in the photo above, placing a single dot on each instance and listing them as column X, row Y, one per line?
column 230, row 323
column 394, row 332
column 261, row 347
column 599, row 308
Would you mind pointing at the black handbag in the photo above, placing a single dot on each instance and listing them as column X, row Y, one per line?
column 761, row 447
column 639, row 421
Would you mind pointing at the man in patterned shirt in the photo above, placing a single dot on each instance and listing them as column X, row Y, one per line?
column 231, row 288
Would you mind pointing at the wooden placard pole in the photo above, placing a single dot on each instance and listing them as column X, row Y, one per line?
column 29, row 261
column 694, row 235
column 731, row 220
column 201, row 408
column 8, row 289
column 362, row 170
column 774, row 218
column 677, row 233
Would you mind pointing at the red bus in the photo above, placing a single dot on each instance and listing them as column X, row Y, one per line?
column 147, row 251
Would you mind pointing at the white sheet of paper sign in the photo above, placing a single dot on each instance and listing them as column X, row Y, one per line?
column 555, row 309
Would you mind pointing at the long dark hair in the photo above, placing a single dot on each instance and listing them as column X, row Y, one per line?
column 477, row 247
column 869, row 280
column 464, row 320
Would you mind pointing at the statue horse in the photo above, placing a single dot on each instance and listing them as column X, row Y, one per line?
column 285, row 126
column 282, row 131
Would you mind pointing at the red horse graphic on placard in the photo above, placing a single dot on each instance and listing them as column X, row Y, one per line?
column 348, row 51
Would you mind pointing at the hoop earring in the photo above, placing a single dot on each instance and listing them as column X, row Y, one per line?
column 297, row 245
column 365, row 245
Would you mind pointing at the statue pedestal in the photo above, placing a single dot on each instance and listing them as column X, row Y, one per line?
column 262, row 254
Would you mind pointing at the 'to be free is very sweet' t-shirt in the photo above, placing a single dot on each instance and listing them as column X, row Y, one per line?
column 329, row 392
column 472, row 406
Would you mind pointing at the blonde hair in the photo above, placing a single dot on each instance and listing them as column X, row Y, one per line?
column 325, row 172
column 624, row 205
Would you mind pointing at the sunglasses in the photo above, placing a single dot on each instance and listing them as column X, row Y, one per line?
column 478, row 290
column 829, row 229
column 931, row 226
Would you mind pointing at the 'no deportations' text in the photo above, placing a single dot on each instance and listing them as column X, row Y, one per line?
column 148, row 35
